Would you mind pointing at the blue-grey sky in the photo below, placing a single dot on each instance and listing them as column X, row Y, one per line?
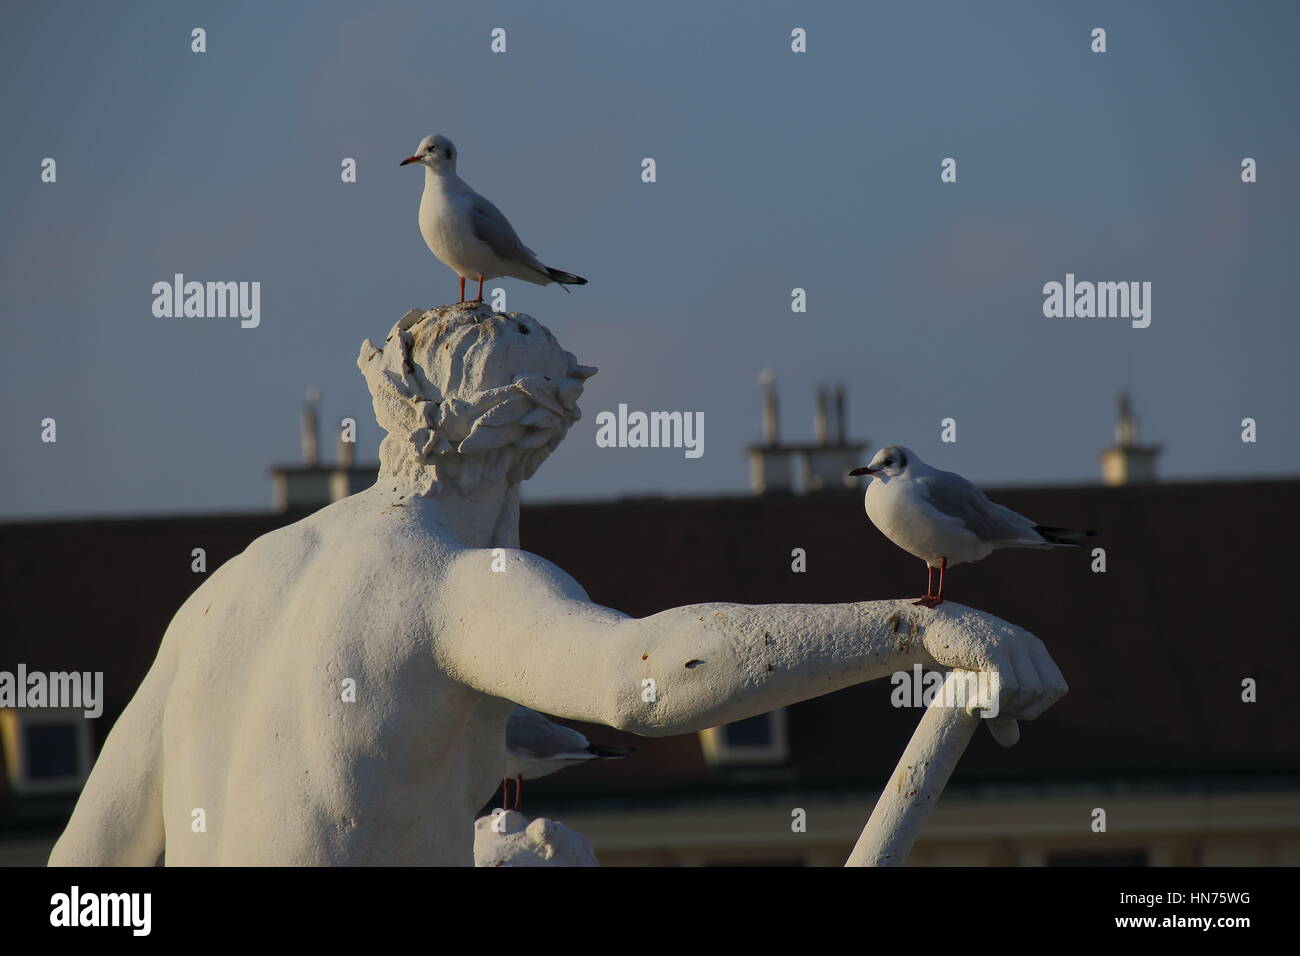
column 775, row 170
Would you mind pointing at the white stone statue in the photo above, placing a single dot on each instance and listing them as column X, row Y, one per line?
column 507, row 838
column 338, row 693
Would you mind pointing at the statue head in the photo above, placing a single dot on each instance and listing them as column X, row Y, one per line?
column 469, row 396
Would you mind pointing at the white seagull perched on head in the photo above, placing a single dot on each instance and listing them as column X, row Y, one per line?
column 468, row 233
column 943, row 519
column 538, row 747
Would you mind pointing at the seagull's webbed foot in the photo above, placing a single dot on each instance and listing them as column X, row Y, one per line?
column 930, row 600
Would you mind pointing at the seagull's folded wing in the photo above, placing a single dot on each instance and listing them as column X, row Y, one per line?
column 529, row 734
column 492, row 228
column 954, row 496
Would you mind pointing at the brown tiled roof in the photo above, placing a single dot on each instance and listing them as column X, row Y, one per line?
column 1195, row 598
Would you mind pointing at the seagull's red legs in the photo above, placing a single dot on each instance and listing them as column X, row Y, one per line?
column 930, row 600
column 519, row 789
column 480, row 289
column 462, row 288
column 929, row 587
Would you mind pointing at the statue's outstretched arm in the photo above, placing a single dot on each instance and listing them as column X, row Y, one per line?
column 118, row 820
column 528, row 633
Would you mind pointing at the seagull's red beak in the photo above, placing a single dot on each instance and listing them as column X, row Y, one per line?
column 858, row 472
column 409, row 159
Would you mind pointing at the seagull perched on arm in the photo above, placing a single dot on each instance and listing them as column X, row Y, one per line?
column 537, row 747
column 943, row 519
column 468, row 233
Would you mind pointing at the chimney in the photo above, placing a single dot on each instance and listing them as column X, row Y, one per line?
column 347, row 478
column 345, row 450
column 821, row 417
column 822, row 465
column 841, row 416
column 827, row 463
column 767, row 379
column 310, row 429
column 770, row 470
column 1127, row 462
column 314, row 484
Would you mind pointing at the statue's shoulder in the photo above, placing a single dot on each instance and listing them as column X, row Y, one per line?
column 367, row 528
column 360, row 528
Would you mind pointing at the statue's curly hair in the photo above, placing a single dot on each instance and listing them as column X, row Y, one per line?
column 468, row 395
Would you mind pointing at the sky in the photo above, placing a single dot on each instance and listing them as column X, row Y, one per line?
column 775, row 170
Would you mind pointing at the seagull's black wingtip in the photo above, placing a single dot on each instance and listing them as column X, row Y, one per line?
column 1063, row 535
column 564, row 278
column 609, row 753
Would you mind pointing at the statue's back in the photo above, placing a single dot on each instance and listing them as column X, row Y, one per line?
column 306, row 682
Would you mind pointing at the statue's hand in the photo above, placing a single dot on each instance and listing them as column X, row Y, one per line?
column 1018, row 667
